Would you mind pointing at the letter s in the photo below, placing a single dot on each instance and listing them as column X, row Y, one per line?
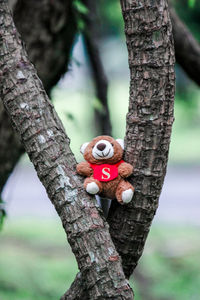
column 106, row 171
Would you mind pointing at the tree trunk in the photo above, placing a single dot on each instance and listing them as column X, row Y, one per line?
column 149, row 122
column 49, row 42
column 44, row 139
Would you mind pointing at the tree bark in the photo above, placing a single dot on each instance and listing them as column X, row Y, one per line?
column 187, row 49
column 44, row 139
column 149, row 122
column 49, row 42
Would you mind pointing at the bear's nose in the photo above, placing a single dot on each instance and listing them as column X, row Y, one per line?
column 101, row 146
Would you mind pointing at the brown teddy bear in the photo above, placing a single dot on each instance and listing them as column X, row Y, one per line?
column 105, row 169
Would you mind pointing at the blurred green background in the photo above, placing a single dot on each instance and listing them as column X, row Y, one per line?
column 37, row 263
column 35, row 260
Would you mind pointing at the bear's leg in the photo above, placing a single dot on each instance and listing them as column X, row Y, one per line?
column 92, row 186
column 124, row 192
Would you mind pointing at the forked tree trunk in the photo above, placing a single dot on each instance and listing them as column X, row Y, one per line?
column 149, row 121
column 187, row 55
column 48, row 29
column 44, row 139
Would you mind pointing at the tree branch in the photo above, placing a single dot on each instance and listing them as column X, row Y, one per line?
column 187, row 49
column 49, row 42
column 47, row 145
column 102, row 116
column 149, row 122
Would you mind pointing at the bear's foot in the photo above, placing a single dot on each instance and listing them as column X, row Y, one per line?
column 127, row 196
column 92, row 188
column 124, row 192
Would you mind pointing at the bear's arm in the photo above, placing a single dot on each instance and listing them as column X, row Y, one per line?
column 125, row 169
column 84, row 169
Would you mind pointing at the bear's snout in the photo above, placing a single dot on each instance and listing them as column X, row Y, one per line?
column 103, row 149
column 101, row 146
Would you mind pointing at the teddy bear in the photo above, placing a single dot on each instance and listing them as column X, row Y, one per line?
column 105, row 170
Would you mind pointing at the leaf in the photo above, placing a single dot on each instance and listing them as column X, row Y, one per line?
column 80, row 7
column 80, row 24
column 191, row 3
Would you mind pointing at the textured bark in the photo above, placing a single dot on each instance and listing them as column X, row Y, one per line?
column 149, row 122
column 90, row 33
column 44, row 139
column 187, row 49
column 48, row 29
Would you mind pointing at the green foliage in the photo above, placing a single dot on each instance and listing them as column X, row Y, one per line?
column 35, row 261
column 111, row 17
column 80, row 24
column 80, row 11
column 189, row 12
column 191, row 3
column 80, row 7
column 171, row 262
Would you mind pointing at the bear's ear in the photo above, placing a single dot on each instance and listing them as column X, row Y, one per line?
column 121, row 142
column 83, row 147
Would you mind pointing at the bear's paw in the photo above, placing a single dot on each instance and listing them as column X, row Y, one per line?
column 127, row 196
column 92, row 188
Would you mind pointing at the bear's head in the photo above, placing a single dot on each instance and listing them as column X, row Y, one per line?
column 103, row 149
